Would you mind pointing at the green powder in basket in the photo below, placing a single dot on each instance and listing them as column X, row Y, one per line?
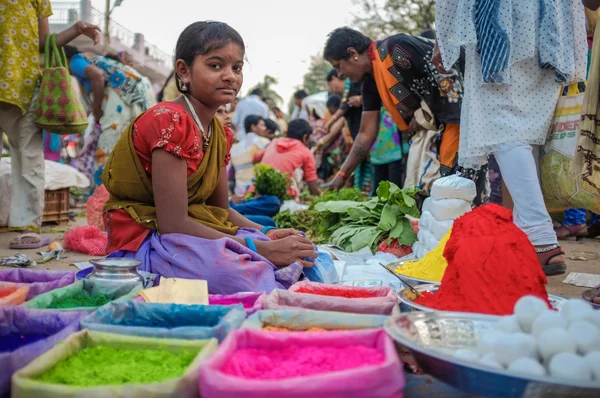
column 101, row 365
column 80, row 299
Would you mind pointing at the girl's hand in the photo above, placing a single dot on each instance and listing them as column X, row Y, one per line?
column 89, row 30
column 286, row 251
column 276, row 234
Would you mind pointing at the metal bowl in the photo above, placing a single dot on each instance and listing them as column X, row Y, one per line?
column 434, row 336
column 118, row 270
column 410, row 279
column 408, row 305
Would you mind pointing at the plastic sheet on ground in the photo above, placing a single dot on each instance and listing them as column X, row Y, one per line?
column 17, row 319
column 383, row 380
column 173, row 321
column 25, row 384
column 382, row 301
column 306, row 319
column 116, row 291
column 39, row 281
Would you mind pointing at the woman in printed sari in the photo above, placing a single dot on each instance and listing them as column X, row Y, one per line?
column 115, row 93
column 397, row 73
column 166, row 177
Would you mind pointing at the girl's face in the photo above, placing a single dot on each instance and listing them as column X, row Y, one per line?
column 224, row 116
column 216, row 77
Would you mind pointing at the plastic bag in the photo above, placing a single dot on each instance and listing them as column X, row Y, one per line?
column 323, row 270
column 252, row 302
column 39, row 281
column 562, row 186
column 306, row 319
column 116, row 291
column 381, row 300
column 94, row 208
column 25, row 384
column 448, row 209
column 174, row 321
column 86, row 240
column 427, row 240
column 454, row 187
column 12, row 293
column 18, row 319
column 383, row 380
column 438, row 228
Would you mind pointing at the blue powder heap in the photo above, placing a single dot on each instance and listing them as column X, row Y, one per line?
column 13, row 341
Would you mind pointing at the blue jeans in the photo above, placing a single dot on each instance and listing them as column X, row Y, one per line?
column 578, row 217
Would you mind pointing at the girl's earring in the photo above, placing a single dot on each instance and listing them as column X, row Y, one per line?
column 184, row 86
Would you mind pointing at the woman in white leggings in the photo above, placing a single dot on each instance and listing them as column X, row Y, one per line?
column 512, row 81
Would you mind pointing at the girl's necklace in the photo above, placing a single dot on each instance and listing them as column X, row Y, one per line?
column 205, row 136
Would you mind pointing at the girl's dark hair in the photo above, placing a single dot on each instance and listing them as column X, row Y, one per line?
column 334, row 101
column 203, row 37
column 161, row 93
column 341, row 39
column 71, row 51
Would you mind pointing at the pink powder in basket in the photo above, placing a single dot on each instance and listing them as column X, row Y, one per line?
column 296, row 361
column 229, row 301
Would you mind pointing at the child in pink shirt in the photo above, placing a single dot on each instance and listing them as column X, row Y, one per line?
column 291, row 156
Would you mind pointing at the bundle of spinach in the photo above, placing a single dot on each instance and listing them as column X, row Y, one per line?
column 302, row 220
column 353, row 225
column 270, row 182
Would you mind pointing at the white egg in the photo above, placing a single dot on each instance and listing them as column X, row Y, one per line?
column 555, row 341
column 527, row 309
column 527, row 366
column 490, row 361
column 511, row 347
column 586, row 335
column 593, row 359
column 570, row 367
column 487, row 341
column 575, row 310
column 593, row 317
column 508, row 324
column 548, row 320
column 466, row 355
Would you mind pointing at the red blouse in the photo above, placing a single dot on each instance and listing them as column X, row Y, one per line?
column 168, row 127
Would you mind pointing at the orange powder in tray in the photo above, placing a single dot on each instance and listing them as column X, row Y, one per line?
column 491, row 265
column 282, row 329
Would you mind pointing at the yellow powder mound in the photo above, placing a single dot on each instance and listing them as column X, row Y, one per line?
column 431, row 267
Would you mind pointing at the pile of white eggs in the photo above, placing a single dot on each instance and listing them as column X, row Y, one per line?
column 537, row 341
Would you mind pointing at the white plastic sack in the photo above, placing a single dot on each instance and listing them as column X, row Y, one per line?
column 418, row 250
column 454, row 187
column 426, row 205
column 437, row 228
column 292, row 206
column 427, row 240
column 448, row 209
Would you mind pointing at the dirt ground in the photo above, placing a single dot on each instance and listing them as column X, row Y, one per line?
column 583, row 256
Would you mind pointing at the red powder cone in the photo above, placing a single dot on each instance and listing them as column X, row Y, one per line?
column 491, row 265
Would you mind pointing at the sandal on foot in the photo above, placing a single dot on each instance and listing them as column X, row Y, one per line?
column 35, row 241
column 565, row 232
column 548, row 253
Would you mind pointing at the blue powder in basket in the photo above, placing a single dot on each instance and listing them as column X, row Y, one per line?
column 14, row 341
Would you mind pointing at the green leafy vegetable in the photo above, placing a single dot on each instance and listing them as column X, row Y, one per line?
column 270, row 182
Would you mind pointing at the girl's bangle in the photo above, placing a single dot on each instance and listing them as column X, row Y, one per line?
column 251, row 245
column 264, row 230
column 343, row 175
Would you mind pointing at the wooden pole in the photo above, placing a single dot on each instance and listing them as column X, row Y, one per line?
column 106, row 25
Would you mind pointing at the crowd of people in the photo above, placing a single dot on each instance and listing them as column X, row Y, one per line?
column 179, row 164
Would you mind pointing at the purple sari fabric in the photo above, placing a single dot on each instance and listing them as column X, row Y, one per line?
column 226, row 265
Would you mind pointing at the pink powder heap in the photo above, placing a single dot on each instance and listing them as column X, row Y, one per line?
column 297, row 361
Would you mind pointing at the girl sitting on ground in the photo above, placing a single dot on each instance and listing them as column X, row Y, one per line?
column 166, row 176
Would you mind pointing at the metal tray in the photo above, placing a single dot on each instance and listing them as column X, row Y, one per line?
column 408, row 305
column 410, row 279
column 432, row 337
